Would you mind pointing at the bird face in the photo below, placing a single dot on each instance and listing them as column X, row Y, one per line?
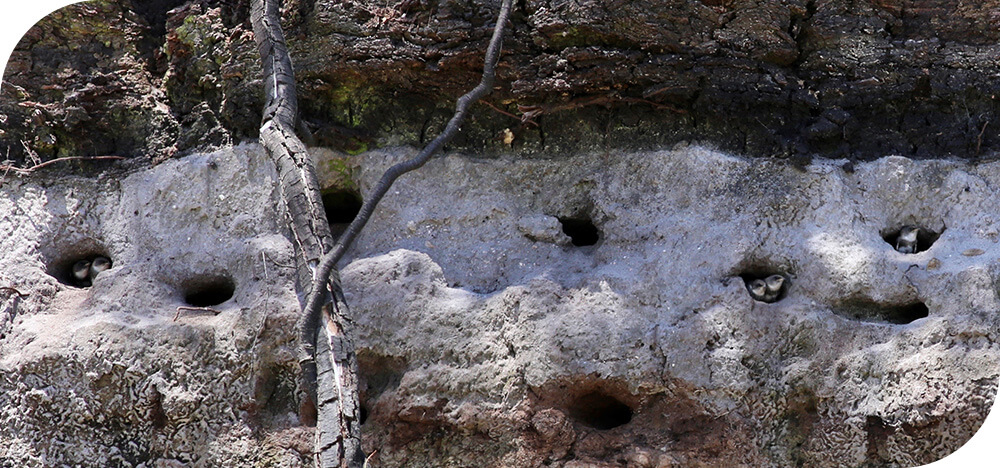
column 98, row 265
column 757, row 288
column 775, row 283
column 907, row 240
column 81, row 270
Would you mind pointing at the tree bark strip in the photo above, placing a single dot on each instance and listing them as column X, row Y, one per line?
column 327, row 359
column 328, row 265
column 338, row 442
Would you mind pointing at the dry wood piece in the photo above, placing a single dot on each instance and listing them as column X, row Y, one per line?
column 28, row 170
column 327, row 360
column 195, row 309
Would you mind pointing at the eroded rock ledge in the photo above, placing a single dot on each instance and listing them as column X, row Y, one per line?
column 793, row 78
column 491, row 333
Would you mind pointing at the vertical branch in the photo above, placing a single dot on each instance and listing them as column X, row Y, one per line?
column 312, row 311
column 326, row 357
column 338, row 441
column 300, row 187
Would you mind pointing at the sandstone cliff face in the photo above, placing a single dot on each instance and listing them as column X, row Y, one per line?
column 488, row 337
column 567, row 287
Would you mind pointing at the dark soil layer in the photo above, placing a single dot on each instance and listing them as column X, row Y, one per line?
column 788, row 78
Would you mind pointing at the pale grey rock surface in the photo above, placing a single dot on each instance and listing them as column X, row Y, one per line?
column 487, row 338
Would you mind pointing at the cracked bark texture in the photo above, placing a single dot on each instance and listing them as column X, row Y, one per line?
column 791, row 78
column 327, row 360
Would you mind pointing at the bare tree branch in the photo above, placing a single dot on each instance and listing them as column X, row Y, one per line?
column 327, row 359
column 335, row 400
column 311, row 319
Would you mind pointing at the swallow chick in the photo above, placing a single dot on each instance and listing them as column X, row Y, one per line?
column 757, row 288
column 775, row 286
column 81, row 272
column 768, row 289
column 907, row 240
column 97, row 265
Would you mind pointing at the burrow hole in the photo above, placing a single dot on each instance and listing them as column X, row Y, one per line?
column 80, row 268
column 581, row 230
column 866, row 310
column 207, row 291
column 157, row 417
column 750, row 276
column 341, row 207
column 379, row 375
column 600, row 411
column 925, row 237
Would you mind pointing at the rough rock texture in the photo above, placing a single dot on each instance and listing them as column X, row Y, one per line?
column 487, row 337
column 105, row 376
column 861, row 78
column 561, row 295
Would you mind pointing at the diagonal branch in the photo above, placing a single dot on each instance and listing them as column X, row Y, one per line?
column 311, row 318
column 327, row 354
column 338, row 441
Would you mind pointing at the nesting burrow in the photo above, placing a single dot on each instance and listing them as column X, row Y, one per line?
column 581, row 230
column 378, row 375
column 600, row 410
column 79, row 267
column 766, row 285
column 910, row 238
column 594, row 403
column 208, row 290
column 341, row 207
column 867, row 310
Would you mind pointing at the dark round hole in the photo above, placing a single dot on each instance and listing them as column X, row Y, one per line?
column 924, row 239
column 581, row 231
column 866, row 310
column 769, row 296
column 206, row 292
column 80, row 270
column 341, row 206
column 600, row 411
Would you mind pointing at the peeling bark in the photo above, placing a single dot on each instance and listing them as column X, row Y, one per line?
column 327, row 359
column 333, row 388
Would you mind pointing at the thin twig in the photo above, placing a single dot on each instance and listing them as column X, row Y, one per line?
column 12, row 290
column 195, row 309
column 368, row 458
column 979, row 140
column 508, row 114
column 53, row 161
column 32, row 155
column 313, row 307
